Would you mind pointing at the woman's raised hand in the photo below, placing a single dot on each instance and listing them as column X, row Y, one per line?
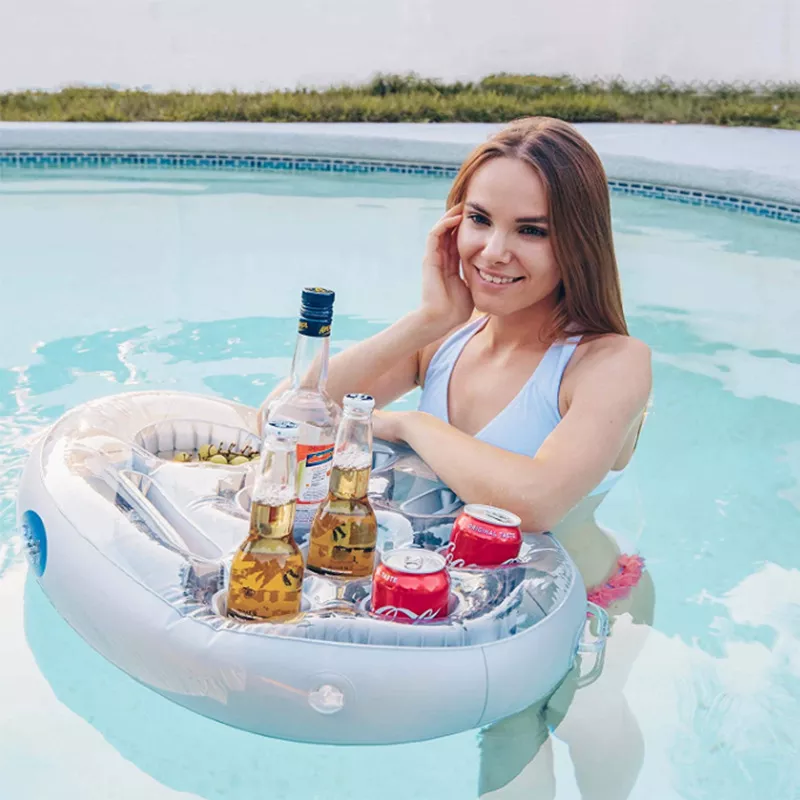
column 446, row 299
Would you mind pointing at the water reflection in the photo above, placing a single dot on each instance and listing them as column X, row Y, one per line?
column 731, row 233
column 739, row 711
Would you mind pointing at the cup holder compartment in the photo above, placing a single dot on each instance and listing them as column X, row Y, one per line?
column 166, row 439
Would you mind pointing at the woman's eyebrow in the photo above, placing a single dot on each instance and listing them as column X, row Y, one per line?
column 482, row 210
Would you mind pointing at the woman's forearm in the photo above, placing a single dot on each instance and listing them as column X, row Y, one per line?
column 481, row 473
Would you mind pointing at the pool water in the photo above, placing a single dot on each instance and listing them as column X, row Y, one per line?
column 123, row 281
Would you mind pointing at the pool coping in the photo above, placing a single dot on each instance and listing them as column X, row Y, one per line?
column 756, row 170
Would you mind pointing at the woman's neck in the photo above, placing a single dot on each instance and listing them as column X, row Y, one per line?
column 522, row 328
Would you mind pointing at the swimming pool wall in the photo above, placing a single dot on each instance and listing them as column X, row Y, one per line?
column 749, row 171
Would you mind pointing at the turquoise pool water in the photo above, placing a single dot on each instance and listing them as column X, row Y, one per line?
column 126, row 281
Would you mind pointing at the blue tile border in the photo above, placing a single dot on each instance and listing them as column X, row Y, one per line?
column 695, row 197
column 221, row 161
column 272, row 163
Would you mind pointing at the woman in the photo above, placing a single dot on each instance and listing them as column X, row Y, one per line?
column 533, row 393
column 543, row 390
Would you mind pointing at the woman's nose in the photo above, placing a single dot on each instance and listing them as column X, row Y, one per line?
column 495, row 248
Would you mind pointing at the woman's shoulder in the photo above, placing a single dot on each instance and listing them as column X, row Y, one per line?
column 612, row 359
column 614, row 347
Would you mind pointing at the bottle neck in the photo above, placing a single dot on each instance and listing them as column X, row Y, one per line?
column 349, row 484
column 352, row 457
column 269, row 522
column 274, row 496
column 310, row 362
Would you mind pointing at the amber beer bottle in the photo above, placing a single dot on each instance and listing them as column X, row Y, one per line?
column 344, row 530
column 266, row 578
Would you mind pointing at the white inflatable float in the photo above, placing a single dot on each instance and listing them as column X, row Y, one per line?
column 132, row 549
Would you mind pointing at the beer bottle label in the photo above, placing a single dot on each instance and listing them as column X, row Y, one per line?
column 265, row 586
column 346, row 549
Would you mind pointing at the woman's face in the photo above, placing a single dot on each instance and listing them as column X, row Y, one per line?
column 504, row 240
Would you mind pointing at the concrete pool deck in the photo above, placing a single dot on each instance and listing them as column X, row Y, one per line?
column 750, row 162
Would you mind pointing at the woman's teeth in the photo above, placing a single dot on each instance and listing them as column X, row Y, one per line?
column 493, row 278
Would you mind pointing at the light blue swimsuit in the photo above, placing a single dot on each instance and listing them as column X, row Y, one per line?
column 524, row 424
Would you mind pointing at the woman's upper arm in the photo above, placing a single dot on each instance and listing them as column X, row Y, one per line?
column 609, row 396
column 405, row 375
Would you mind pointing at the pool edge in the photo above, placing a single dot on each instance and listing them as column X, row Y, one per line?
column 754, row 170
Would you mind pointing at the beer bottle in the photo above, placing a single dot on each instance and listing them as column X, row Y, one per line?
column 344, row 530
column 266, row 579
column 307, row 403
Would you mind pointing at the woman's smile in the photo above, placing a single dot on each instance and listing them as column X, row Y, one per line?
column 496, row 280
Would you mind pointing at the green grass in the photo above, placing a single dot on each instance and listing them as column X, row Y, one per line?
column 396, row 98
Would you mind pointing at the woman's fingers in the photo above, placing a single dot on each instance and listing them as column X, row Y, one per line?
column 448, row 222
column 444, row 225
column 451, row 217
column 453, row 248
column 449, row 250
column 441, row 236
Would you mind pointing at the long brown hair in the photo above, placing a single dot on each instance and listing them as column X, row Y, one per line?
column 590, row 300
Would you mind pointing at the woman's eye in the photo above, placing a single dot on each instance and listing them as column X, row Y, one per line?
column 478, row 219
column 532, row 230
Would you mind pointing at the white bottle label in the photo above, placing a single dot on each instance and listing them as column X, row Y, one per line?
column 314, row 462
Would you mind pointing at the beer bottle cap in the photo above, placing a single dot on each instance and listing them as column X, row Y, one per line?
column 358, row 402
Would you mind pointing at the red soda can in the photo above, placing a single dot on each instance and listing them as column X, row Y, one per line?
column 484, row 536
column 409, row 585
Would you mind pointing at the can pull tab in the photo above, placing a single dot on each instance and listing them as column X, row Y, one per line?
column 413, row 562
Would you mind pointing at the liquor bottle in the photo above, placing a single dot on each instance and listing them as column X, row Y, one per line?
column 307, row 403
column 266, row 577
column 344, row 530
